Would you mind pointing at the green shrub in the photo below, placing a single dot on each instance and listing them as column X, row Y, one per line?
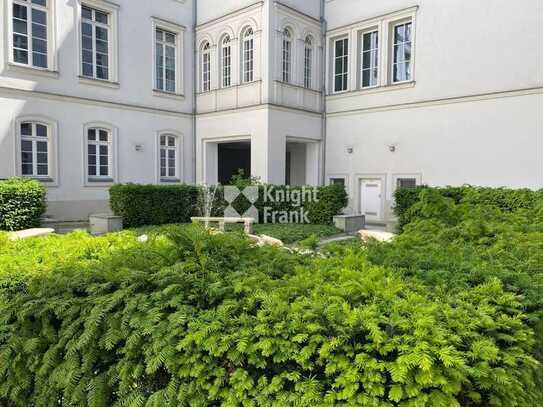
column 505, row 199
column 22, row 204
column 290, row 233
column 193, row 319
column 141, row 205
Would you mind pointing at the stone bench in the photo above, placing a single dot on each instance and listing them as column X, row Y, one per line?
column 350, row 223
column 102, row 223
column 28, row 233
column 247, row 222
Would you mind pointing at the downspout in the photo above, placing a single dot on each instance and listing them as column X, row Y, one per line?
column 323, row 93
column 194, row 82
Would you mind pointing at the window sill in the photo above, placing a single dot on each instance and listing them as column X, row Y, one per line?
column 29, row 70
column 170, row 180
column 168, row 95
column 372, row 90
column 99, row 82
column 293, row 85
column 99, row 182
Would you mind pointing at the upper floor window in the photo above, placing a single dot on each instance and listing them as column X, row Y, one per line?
column 287, row 55
column 226, row 61
column 36, row 143
column 341, row 64
column 308, row 62
column 30, row 40
column 99, row 154
column 370, row 59
column 206, row 67
column 168, row 157
column 402, row 42
column 247, row 57
column 95, row 43
column 165, row 55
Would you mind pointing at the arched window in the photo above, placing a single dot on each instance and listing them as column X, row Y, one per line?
column 226, row 62
column 287, row 55
column 308, row 62
column 168, row 145
column 206, row 67
column 247, row 57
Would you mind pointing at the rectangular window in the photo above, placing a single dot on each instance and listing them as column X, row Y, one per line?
column 34, row 149
column 286, row 60
column 402, row 44
column 206, row 71
column 165, row 60
column 168, row 157
column 406, row 183
column 341, row 64
column 248, row 56
column 30, row 42
column 370, row 59
column 337, row 181
column 95, row 43
column 99, row 153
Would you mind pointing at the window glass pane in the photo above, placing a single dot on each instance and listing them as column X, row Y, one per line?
column 171, row 141
column 102, row 60
column 92, row 159
column 102, row 73
column 39, row 32
column 19, row 27
column 102, row 47
column 100, row 17
column 159, row 35
column 26, row 169
column 20, row 56
column 162, row 140
column 86, row 29
column 103, row 160
column 92, row 149
column 92, row 170
column 39, row 17
column 170, row 38
column 41, row 146
column 26, row 157
column 86, row 13
column 39, row 46
column 42, row 158
column 43, row 169
column 103, row 150
column 39, row 60
column 101, row 33
column 26, row 145
column 103, row 135
column 20, row 41
column 87, row 70
column 19, row 12
column 162, row 171
column 41, row 130
column 104, row 171
column 92, row 134
column 26, row 129
column 40, row 2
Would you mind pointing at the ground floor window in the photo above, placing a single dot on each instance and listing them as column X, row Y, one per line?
column 337, row 181
column 168, row 157
column 99, row 143
column 35, row 149
column 406, row 183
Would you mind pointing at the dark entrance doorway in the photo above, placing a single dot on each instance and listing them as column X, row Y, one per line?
column 233, row 157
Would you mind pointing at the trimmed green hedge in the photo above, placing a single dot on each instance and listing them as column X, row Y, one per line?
column 22, row 204
column 503, row 198
column 190, row 319
column 141, row 205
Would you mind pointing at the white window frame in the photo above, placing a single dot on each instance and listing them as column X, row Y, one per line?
column 308, row 61
column 179, row 31
column 178, row 178
column 334, row 73
column 97, row 180
column 391, row 61
column 52, row 147
column 226, row 61
column 205, row 66
column 50, row 9
column 286, row 55
column 377, row 30
column 113, row 46
column 247, row 55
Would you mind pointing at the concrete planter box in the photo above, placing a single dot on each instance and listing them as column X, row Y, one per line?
column 103, row 223
column 350, row 223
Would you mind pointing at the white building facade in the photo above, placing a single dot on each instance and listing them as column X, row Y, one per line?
column 375, row 95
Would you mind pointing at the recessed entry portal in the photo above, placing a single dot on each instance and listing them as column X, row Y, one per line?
column 371, row 199
column 233, row 157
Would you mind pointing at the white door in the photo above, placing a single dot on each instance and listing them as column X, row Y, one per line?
column 371, row 198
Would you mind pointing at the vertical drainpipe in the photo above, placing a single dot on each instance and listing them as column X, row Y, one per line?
column 323, row 78
column 194, row 84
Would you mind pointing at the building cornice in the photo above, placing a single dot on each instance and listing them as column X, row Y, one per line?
column 6, row 90
column 297, row 13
